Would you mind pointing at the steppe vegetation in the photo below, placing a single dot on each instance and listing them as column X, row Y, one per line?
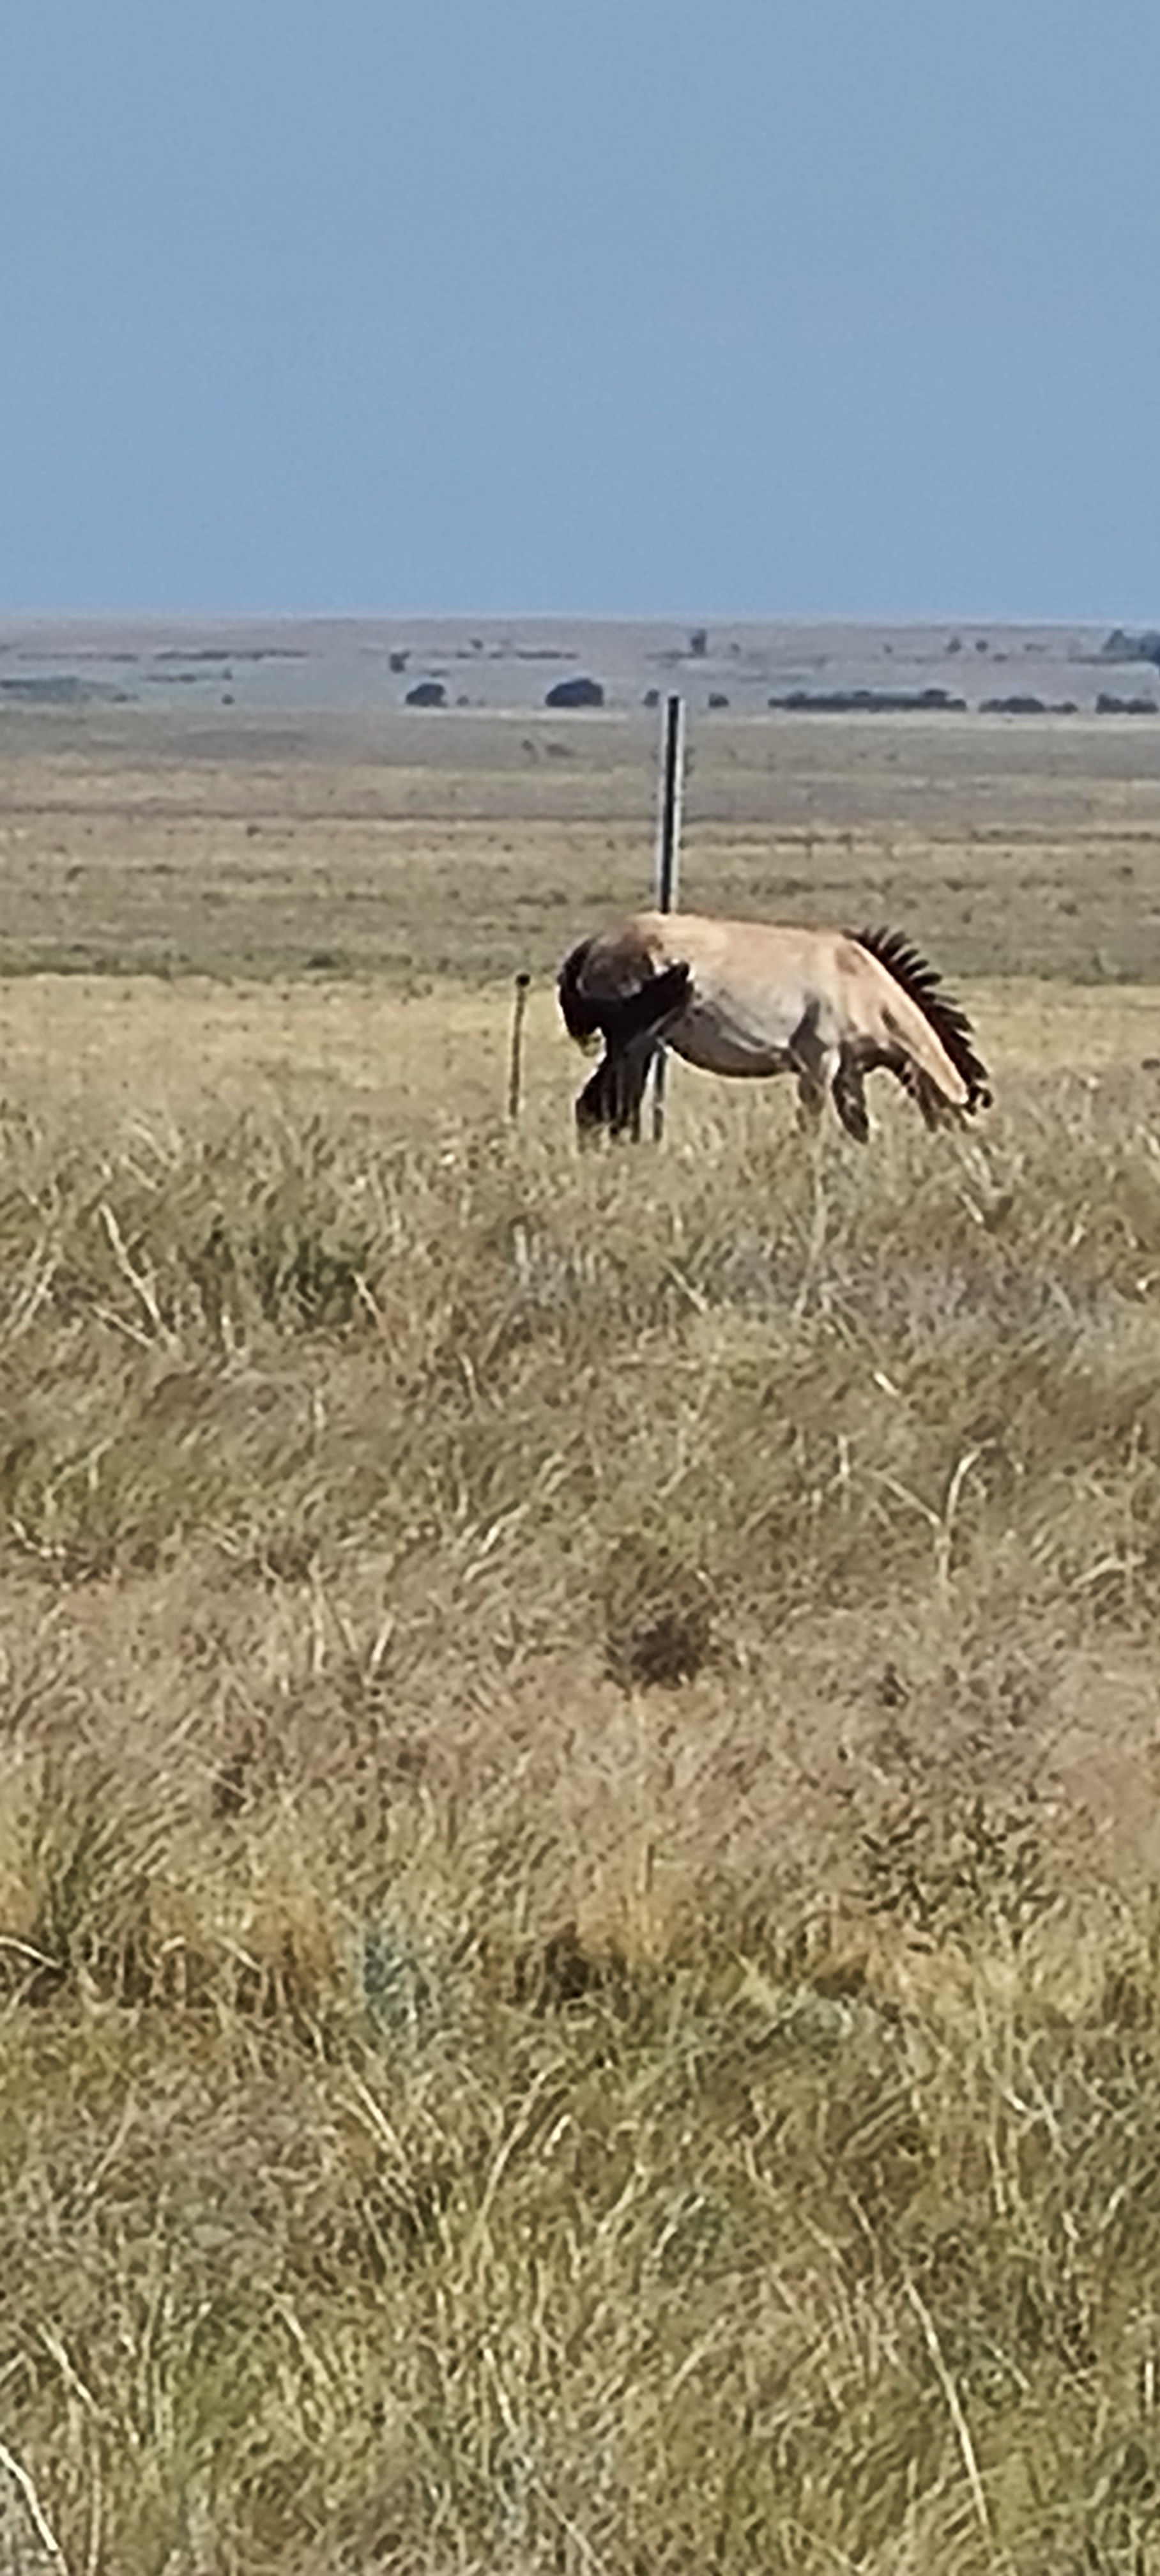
column 464, row 845
column 579, row 1976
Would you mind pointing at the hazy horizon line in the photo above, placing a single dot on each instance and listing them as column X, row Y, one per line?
column 692, row 618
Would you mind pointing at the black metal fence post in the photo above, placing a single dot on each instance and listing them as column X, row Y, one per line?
column 668, row 858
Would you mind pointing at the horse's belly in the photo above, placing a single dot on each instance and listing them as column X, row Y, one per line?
column 721, row 1042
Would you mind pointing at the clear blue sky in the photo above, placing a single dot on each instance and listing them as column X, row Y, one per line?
column 763, row 307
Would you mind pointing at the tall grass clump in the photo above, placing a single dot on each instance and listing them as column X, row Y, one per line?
column 579, row 1940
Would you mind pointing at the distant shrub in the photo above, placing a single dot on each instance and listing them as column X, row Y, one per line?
column 580, row 692
column 1121, row 646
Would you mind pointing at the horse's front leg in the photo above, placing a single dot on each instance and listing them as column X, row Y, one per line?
column 848, row 1091
column 816, row 1065
column 811, row 1102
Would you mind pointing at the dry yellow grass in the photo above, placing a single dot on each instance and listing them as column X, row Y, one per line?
column 578, row 1820
column 477, row 844
column 578, row 1828
column 114, row 1050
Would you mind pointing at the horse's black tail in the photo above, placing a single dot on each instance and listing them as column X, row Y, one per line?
column 581, row 1016
column 618, row 1018
column 632, row 1026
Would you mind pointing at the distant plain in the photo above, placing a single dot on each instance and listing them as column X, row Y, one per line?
column 304, row 820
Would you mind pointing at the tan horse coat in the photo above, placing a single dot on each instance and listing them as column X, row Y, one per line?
column 752, row 999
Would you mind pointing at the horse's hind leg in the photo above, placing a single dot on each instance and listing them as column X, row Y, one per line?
column 633, row 1064
column 595, row 1104
column 612, row 1096
column 632, row 1025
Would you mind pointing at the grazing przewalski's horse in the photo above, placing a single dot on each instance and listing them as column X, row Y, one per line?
column 751, row 998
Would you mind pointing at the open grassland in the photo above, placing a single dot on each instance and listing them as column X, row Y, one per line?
column 468, row 845
column 579, row 1951
column 578, row 1833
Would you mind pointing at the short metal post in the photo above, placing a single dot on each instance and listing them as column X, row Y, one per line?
column 515, row 1065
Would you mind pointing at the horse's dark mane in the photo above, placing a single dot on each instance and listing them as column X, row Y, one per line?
column 946, row 1017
